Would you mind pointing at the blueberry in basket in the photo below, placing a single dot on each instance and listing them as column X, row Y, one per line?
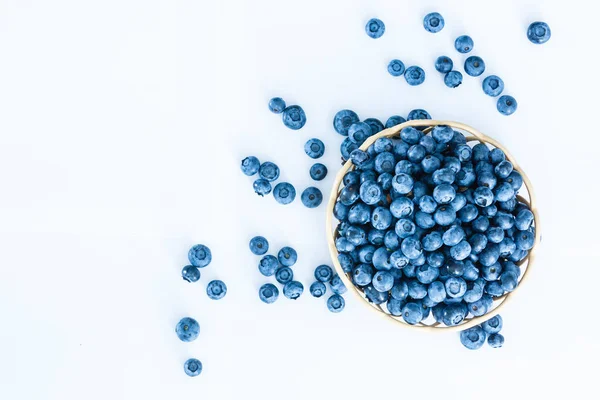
column 431, row 228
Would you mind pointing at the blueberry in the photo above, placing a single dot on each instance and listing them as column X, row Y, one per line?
column 346, row 262
column 504, row 192
column 268, row 293
column 473, row 338
column 323, row 273
column 200, row 256
column 465, row 177
column 483, row 196
column 349, row 195
column 311, row 197
column 412, row 313
column 459, row 202
column 414, row 75
column 406, row 167
column 391, row 241
column 480, row 224
column 444, row 193
column 343, row 120
column 503, row 169
column 314, row 148
column 399, row 291
column 362, row 275
column 432, row 241
column 381, row 218
column 318, row 172
column 442, row 133
column 262, row 187
column 192, row 367
column 444, row 215
column 481, row 152
column 417, row 113
column 496, row 340
column 489, row 211
column 427, row 204
column 453, row 79
column 495, row 234
column 394, row 120
column 284, row 274
column 284, row 193
column 478, row 307
column 487, row 179
column 385, row 180
column 371, row 193
column 455, row 268
column 268, row 265
column 259, row 245
column 216, row 289
column 491, row 272
column 383, row 144
column 523, row 220
column 398, row 259
column 368, row 175
column 444, row 64
column 187, row 329
column 524, row 240
column 375, row 124
column 463, row 44
column 385, row 162
column 401, row 207
column 268, row 171
column 411, row 247
column 454, row 314
column 359, row 213
column 504, row 220
column 401, row 184
column 507, row 246
column 383, row 281
column 444, row 176
column 492, row 325
column 395, row 306
column 416, row 153
column 426, row 274
column 506, row 105
column 538, row 32
column 381, row 259
column 359, row 132
column 250, row 165
column 190, row 273
column 375, row 28
column 293, row 117
column 456, row 287
column 405, row 228
column 433, row 22
column 335, row 303
column 375, row 296
column 492, row 86
column 337, row 286
column 430, row 145
column 346, row 148
column 489, row 257
column 318, row 289
column 436, row 260
column 396, row 68
column 474, row 66
column 292, row 290
column 276, row 105
column 463, row 152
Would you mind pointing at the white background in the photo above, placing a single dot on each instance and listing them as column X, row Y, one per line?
column 122, row 124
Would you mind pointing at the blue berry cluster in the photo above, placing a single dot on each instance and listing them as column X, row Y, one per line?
column 280, row 267
column 268, row 172
column 429, row 224
column 347, row 123
column 452, row 78
column 473, row 338
column 293, row 117
column 324, row 274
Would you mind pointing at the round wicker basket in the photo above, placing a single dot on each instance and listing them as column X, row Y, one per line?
column 525, row 195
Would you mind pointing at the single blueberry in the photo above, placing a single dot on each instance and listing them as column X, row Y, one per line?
column 293, row 117
column 496, row 340
column 396, row 68
column 250, row 165
column 454, row 314
column 492, row 86
column 426, row 274
column 381, row 259
column 190, row 273
column 463, row 44
column 385, row 162
column 444, row 193
column 417, row 113
column 398, row 259
column 375, row 28
column 453, row 79
column 311, row 197
column 391, row 241
column 269, row 171
column 492, row 325
column 336, row 303
column 371, row 193
column 262, row 187
column 359, row 213
column 401, row 207
column 323, row 273
column 394, row 120
column 385, row 180
column 284, row 274
column 401, row 184
column 343, row 120
column 442, row 133
column 474, row 66
column 362, row 275
column 375, row 124
column 444, row 64
column 346, row 148
column 463, row 152
column 337, row 285
column 444, row 176
column 395, row 306
column 314, row 148
column 187, row 329
column 381, row 218
column 412, row 313
column 433, row 22
column 200, row 256
column 436, row 259
column 432, row 241
column 268, row 293
column 483, row 196
column 292, row 290
column 416, row 153
column 268, row 265
column 318, row 171
column 455, row 287
column 216, row 289
column 473, row 338
column 444, row 215
column 287, row 256
column 414, row 75
column 346, row 262
column 318, row 289
column 506, row 105
column 284, row 193
column 276, row 105
column 192, row 367
column 259, row 245
column 383, row 145
column 349, row 195
column 453, row 235
column 524, row 220
column 411, row 247
column 524, row 240
column 503, row 169
column 436, row 292
column 383, row 281
column 424, row 220
column 359, row 132
column 538, row 32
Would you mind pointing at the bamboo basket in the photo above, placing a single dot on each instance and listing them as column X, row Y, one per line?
column 525, row 195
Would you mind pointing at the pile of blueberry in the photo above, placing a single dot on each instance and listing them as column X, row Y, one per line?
column 279, row 266
column 429, row 224
column 284, row 192
column 324, row 274
column 538, row 33
column 473, row 338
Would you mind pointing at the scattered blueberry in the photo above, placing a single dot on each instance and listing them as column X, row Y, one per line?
column 250, row 165
column 433, row 22
column 216, row 289
column 337, row 286
column 444, row 64
column 336, row 303
column 396, row 68
column 287, row 256
column 453, row 79
column 473, row 338
column 318, row 172
column 259, row 245
column 507, row 105
column 192, row 367
column 293, row 289
column 200, row 256
column 284, row 274
column 492, row 85
column 269, row 171
column 187, row 329
column 190, row 273
column 375, row 28
column 262, row 187
column 414, row 75
column 268, row 293
column 474, row 66
column 311, row 197
column 318, row 289
column 343, row 120
column 417, row 113
column 284, row 193
column 463, row 44
column 293, row 117
column 314, row 148
column 323, row 273
column 538, row 32
column 496, row 340
column 276, row 105
column 268, row 265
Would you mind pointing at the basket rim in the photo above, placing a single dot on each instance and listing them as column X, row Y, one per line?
column 476, row 135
